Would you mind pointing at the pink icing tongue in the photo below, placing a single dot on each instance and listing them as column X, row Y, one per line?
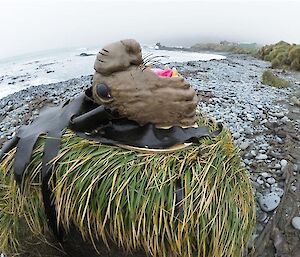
column 163, row 73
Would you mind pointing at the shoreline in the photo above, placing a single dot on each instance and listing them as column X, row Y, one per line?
column 55, row 68
column 263, row 120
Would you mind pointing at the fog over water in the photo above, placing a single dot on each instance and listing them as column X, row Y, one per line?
column 31, row 26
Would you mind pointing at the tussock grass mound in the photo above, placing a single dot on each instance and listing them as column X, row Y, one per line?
column 281, row 55
column 196, row 201
column 268, row 78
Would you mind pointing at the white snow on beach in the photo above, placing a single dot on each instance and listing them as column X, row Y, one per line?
column 50, row 67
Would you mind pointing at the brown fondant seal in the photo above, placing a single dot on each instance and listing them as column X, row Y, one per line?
column 138, row 93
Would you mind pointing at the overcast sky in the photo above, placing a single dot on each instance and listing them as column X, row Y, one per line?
column 30, row 26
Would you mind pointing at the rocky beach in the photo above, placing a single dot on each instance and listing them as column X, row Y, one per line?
column 265, row 125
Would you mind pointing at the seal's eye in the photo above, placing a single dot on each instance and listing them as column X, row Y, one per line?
column 103, row 91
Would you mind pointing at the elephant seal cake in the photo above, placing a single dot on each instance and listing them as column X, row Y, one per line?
column 130, row 164
column 139, row 94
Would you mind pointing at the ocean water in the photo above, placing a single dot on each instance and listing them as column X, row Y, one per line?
column 55, row 66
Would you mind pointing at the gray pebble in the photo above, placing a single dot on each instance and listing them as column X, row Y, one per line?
column 260, row 181
column 271, row 180
column 244, row 145
column 277, row 190
column 261, row 215
column 296, row 223
column 246, row 161
column 236, row 135
column 261, row 157
column 279, row 140
column 264, row 146
column 294, row 188
column 277, row 166
column 278, row 114
column 265, row 174
column 269, row 202
column 296, row 167
column 283, row 164
column 285, row 119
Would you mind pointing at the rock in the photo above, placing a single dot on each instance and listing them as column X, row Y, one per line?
column 271, row 180
column 294, row 188
column 283, row 164
column 278, row 114
column 296, row 167
column 260, row 181
column 244, row 145
column 246, row 161
column 261, row 215
column 10, row 108
column 277, row 190
column 264, row 121
column 285, row 119
column 250, row 118
column 265, row 174
column 269, row 202
column 277, row 166
column 261, row 157
column 279, row 140
column 294, row 100
column 255, row 185
column 85, row 54
column 264, row 146
column 296, row 223
column 236, row 135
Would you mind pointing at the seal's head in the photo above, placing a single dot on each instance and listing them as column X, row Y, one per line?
column 121, row 82
column 118, row 56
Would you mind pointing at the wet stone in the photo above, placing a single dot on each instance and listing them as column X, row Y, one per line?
column 271, row 180
column 296, row 223
column 261, row 157
column 269, row 202
column 265, row 175
column 244, row 145
column 283, row 163
column 277, row 190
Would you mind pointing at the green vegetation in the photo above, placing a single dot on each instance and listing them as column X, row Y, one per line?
column 268, row 78
column 134, row 198
column 225, row 46
column 281, row 55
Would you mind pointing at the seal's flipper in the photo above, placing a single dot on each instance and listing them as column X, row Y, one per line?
column 9, row 145
column 23, row 155
column 51, row 150
column 91, row 120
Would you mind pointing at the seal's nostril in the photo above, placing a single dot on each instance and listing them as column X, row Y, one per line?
column 103, row 91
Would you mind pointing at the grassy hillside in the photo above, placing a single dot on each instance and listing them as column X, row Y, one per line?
column 281, row 55
column 225, row 46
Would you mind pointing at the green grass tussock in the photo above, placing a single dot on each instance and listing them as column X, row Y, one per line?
column 268, row 78
column 281, row 55
column 132, row 198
